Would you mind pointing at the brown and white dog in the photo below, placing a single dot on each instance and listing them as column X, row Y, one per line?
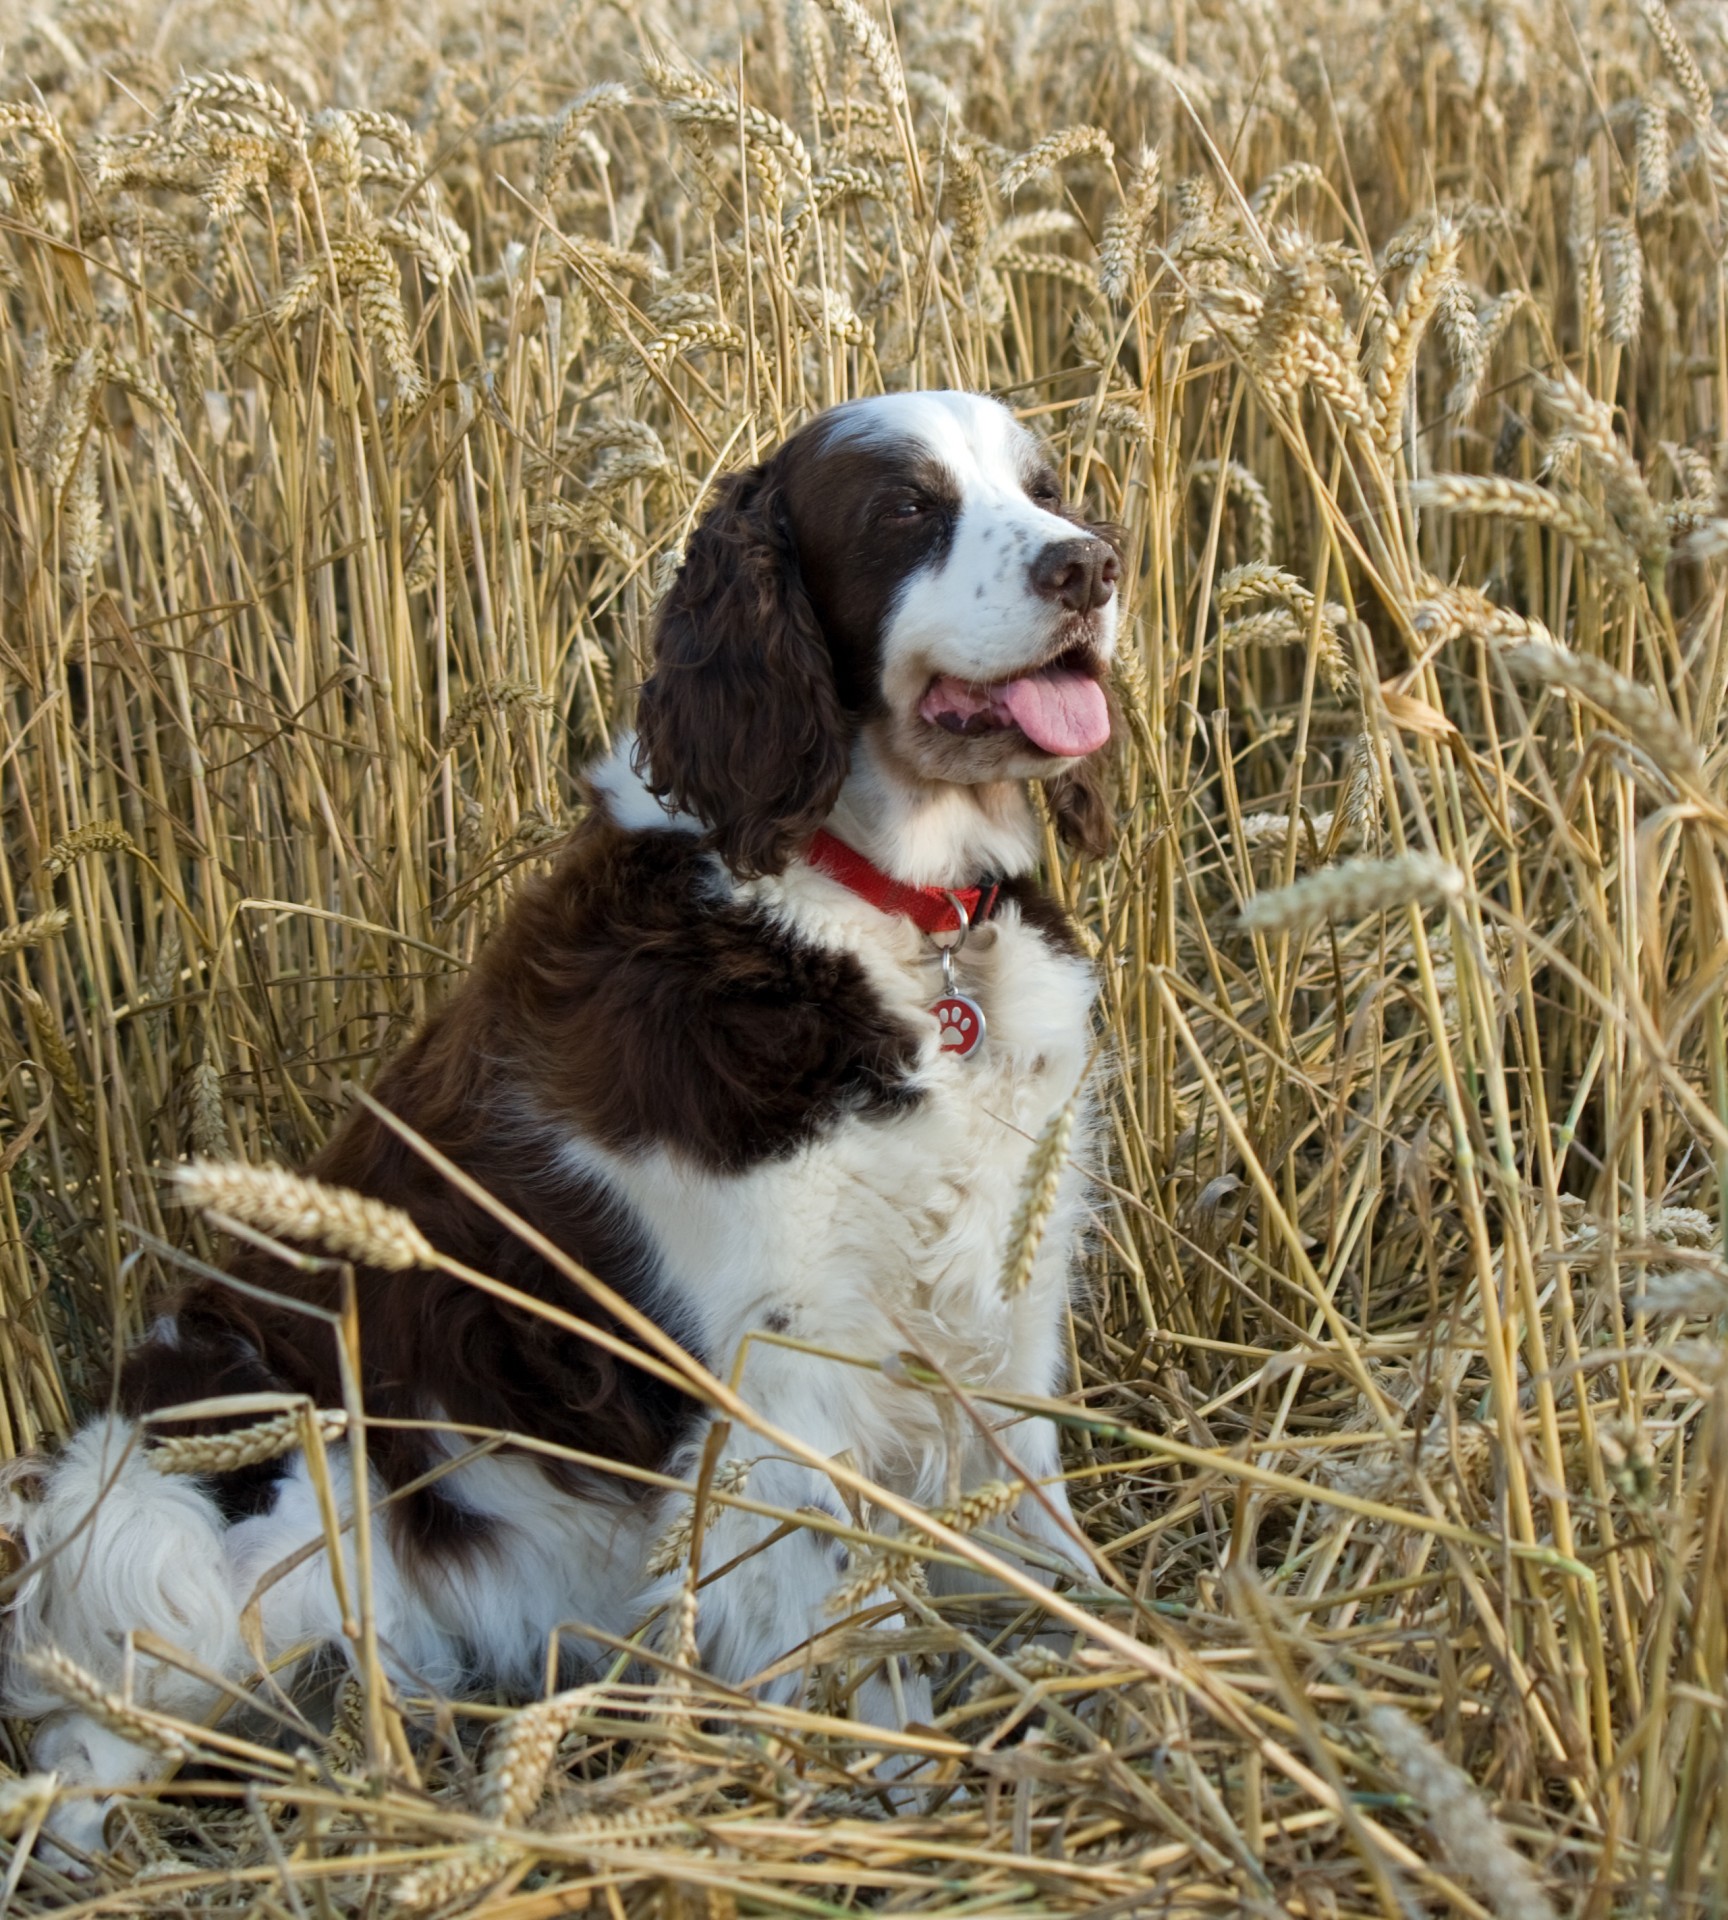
column 701, row 1057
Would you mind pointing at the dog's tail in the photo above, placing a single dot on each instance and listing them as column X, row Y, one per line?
column 108, row 1547
column 105, row 1551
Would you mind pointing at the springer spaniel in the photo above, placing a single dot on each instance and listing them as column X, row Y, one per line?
column 718, row 1057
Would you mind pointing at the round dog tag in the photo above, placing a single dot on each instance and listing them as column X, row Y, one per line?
column 962, row 1023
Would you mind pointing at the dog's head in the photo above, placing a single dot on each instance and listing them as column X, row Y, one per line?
column 905, row 563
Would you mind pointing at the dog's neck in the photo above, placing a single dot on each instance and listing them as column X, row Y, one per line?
column 931, row 833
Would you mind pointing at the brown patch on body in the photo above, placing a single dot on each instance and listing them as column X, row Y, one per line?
column 620, row 1004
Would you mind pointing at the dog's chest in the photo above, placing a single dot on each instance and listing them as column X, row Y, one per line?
column 885, row 1232
column 967, row 1143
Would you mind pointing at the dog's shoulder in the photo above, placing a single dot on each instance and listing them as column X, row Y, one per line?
column 646, row 1001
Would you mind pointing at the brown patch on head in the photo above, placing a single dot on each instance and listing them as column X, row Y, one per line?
column 768, row 649
column 865, row 514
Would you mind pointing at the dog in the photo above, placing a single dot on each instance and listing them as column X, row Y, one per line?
column 720, row 1058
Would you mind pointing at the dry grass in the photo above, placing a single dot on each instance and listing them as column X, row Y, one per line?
column 363, row 371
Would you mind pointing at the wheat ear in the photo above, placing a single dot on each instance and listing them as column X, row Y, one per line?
column 1354, row 890
column 244, row 1447
column 292, row 1207
column 1039, row 1186
column 1474, row 1841
column 34, row 931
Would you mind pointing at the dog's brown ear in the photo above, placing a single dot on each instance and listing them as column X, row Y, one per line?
column 1079, row 802
column 741, row 723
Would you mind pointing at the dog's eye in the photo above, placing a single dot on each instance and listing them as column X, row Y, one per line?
column 908, row 509
column 1046, row 493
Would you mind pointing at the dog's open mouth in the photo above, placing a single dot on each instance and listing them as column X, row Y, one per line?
column 1060, row 707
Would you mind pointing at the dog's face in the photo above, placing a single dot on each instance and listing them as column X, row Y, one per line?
column 962, row 605
column 905, row 564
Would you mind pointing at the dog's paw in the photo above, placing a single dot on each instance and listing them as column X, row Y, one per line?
column 77, row 1824
column 82, row 1753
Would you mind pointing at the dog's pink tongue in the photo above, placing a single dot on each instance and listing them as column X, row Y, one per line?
column 1062, row 712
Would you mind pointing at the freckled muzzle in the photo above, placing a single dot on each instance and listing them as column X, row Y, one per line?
column 1059, row 707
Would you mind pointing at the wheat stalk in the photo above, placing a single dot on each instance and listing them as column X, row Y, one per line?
column 1392, row 362
column 25, row 1799
column 517, row 1761
column 1652, row 156
column 1128, row 229
column 99, row 836
column 497, row 696
column 1039, row 1187
column 63, row 1676
column 199, row 1453
column 1646, row 722
column 442, row 1882
column 1503, row 499
column 672, row 1547
column 900, row 1562
column 1038, row 162
column 56, row 1055
column 871, row 45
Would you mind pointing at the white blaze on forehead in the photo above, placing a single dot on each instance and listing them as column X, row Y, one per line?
column 974, row 612
column 976, row 438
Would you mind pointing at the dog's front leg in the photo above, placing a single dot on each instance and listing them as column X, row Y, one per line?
column 776, row 1584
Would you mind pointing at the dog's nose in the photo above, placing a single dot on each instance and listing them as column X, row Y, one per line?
column 1080, row 573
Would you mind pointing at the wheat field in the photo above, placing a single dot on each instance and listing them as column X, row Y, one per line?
column 363, row 369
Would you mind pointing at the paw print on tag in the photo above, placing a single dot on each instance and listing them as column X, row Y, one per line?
column 961, row 1023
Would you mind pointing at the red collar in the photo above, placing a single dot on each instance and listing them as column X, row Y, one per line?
column 931, row 908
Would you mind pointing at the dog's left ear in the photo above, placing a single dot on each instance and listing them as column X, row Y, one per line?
column 741, row 723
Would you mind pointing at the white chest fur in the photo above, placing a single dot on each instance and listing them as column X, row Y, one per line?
column 888, row 1233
